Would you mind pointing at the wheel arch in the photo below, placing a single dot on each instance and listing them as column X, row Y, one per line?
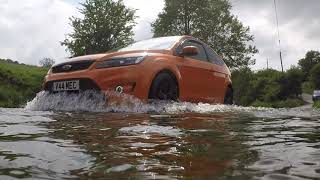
column 230, row 86
column 175, row 75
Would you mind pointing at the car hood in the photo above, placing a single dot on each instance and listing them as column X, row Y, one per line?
column 131, row 54
column 105, row 56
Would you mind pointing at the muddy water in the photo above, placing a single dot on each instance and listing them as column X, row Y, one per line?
column 62, row 138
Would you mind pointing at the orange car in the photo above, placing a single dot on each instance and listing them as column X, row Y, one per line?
column 166, row 68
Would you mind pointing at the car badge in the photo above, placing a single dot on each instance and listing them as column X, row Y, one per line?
column 67, row 67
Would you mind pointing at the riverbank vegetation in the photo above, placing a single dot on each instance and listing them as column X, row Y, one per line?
column 267, row 88
column 19, row 83
column 272, row 88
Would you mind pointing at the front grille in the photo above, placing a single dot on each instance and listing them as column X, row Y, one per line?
column 72, row 66
column 85, row 84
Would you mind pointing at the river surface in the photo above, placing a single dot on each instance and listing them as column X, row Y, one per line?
column 75, row 137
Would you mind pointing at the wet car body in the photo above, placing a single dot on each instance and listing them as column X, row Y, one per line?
column 200, row 77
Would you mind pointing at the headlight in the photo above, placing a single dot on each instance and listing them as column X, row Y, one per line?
column 116, row 62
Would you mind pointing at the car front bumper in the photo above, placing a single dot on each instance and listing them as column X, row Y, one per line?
column 134, row 79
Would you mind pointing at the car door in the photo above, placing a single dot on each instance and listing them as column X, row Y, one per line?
column 218, row 73
column 196, row 74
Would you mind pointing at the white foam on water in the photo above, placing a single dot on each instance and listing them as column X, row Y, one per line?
column 96, row 102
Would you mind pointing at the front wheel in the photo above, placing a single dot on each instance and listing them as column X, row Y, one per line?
column 228, row 99
column 164, row 87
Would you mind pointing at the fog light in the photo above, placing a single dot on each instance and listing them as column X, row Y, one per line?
column 119, row 89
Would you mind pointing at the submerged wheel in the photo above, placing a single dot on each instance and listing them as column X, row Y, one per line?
column 164, row 87
column 228, row 98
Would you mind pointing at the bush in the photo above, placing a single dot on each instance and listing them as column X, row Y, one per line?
column 242, row 86
column 289, row 103
column 267, row 88
column 315, row 76
column 307, row 87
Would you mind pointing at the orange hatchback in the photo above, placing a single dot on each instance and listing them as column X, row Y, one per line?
column 167, row 68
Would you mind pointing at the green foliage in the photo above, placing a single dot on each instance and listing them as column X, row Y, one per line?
column 242, row 86
column 306, row 64
column 19, row 83
column 212, row 22
column 106, row 24
column 294, row 80
column 267, row 88
column 307, row 87
column 315, row 76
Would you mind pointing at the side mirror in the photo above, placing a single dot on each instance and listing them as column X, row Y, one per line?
column 189, row 51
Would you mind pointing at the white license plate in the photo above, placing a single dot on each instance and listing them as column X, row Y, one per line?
column 66, row 85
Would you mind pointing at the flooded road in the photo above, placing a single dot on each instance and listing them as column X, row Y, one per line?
column 51, row 139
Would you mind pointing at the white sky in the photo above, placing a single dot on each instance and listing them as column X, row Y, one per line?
column 33, row 29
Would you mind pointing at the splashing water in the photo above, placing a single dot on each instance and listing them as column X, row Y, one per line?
column 97, row 102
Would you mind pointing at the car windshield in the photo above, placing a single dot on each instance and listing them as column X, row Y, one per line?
column 153, row 44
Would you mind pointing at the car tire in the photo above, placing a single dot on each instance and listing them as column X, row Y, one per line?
column 164, row 87
column 228, row 99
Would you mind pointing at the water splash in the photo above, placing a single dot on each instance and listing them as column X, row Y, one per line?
column 113, row 102
column 97, row 102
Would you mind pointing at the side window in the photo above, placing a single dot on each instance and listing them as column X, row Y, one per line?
column 214, row 57
column 202, row 56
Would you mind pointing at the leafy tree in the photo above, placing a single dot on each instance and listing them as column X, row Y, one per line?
column 242, row 86
column 308, row 62
column 294, row 80
column 212, row 22
column 315, row 76
column 106, row 24
column 46, row 62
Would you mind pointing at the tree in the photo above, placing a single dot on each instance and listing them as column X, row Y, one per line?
column 106, row 24
column 242, row 87
column 46, row 62
column 212, row 22
column 315, row 76
column 306, row 64
column 294, row 80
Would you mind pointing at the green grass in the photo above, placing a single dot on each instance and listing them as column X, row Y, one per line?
column 19, row 83
column 289, row 103
column 316, row 104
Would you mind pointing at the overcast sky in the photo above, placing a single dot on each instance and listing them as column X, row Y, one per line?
column 33, row 29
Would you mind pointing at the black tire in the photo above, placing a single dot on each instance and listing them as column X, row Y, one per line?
column 164, row 87
column 228, row 98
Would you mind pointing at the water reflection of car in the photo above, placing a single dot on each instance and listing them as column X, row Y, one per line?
column 316, row 95
column 167, row 68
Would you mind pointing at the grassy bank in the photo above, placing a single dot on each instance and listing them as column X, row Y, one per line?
column 316, row 104
column 289, row 103
column 19, row 83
